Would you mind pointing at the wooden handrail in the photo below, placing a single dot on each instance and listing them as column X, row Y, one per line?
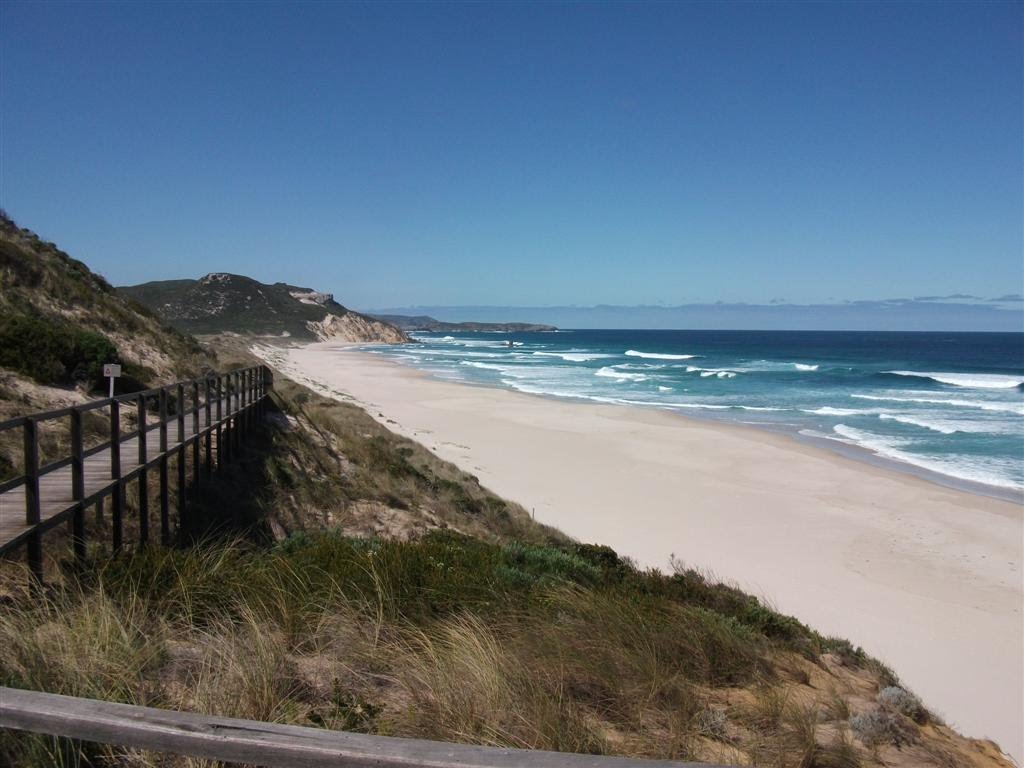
column 45, row 494
column 269, row 744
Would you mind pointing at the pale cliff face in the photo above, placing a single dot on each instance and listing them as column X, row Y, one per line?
column 355, row 327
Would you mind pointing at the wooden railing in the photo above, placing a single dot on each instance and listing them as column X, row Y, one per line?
column 268, row 744
column 211, row 415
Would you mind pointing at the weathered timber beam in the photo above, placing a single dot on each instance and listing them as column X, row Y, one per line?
column 268, row 744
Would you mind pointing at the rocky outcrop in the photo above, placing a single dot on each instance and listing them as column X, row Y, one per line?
column 353, row 326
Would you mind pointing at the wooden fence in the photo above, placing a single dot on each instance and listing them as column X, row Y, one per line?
column 211, row 415
column 268, row 744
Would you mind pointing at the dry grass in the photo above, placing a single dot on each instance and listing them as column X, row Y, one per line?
column 447, row 637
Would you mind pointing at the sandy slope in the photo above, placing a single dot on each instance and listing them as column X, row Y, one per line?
column 925, row 577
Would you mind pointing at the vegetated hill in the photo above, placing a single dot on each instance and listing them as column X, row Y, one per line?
column 221, row 302
column 60, row 322
column 427, row 323
column 389, row 593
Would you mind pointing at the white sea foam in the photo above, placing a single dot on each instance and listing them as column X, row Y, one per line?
column 935, row 422
column 485, row 366
column 953, row 465
column 971, row 380
column 516, row 371
column 574, row 357
column 708, row 372
column 943, row 427
column 642, row 366
column 828, row 410
column 984, row 405
column 658, row 355
column 705, row 406
column 452, row 353
column 535, row 390
column 665, row 389
column 764, row 366
column 611, row 373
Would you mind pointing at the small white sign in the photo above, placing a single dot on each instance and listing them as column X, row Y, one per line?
column 112, row 370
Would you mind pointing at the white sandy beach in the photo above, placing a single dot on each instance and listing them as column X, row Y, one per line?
column 925, row 577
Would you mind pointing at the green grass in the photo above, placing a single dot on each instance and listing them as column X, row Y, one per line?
column 512, row 644
column 557, row 646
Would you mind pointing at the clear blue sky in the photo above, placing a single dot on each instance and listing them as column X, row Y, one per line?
column 534, row 154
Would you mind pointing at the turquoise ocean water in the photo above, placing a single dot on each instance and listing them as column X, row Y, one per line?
column 947, row 405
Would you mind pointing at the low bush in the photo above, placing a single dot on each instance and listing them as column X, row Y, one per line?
column 54, row 352
column 879, row 727
column 896, row 699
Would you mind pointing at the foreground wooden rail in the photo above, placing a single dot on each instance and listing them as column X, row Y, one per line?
column 208, row 414
column 267, row 744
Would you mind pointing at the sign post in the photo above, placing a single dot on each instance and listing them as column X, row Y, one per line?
column 111, row 371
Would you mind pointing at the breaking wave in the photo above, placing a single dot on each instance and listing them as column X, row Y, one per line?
column 970, row 380
column 955, row 465
column 574, row 357
column 611, row 373
column 981, row 404
column 658, row 355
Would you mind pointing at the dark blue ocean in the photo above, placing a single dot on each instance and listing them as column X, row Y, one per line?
column 951, row 404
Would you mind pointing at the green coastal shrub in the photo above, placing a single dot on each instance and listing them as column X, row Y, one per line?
column 54, row 351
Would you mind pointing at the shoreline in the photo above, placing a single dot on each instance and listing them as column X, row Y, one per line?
column 846, row 450
column 924, row 577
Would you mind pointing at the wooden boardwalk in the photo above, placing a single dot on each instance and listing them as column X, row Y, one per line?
column 210, row 416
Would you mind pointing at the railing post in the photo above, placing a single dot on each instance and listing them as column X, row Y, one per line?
column 115, row 440
column 268, row 385
column 220, row 418
column 265, row 373
column 34, row 551
column 209, row 428
column 247, row 400
column 181, row 413
column 196, row 437
column 143, row 484
column 117, row 495
column 257, row 396
column 233, row 410
column 77, row 487
column 182, row 504
column 165, row 504
column 115, row 459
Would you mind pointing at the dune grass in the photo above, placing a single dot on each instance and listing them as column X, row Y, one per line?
column 448, row 637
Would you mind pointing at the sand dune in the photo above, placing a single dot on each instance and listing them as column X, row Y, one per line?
column 925, row 577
